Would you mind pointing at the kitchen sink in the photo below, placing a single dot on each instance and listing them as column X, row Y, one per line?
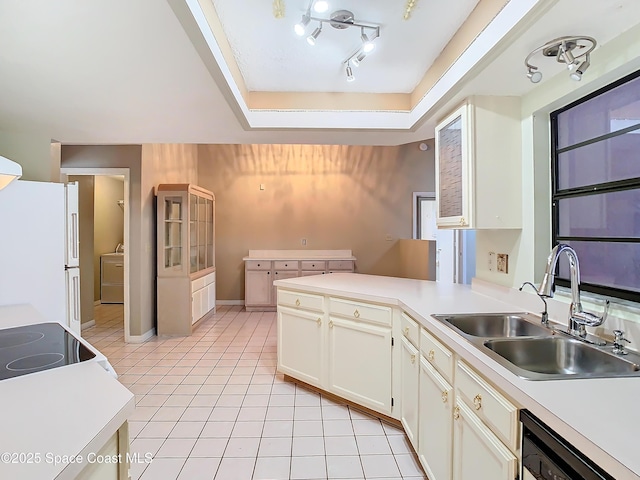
column 554, row 357
column 522, row 344
column 495, row 324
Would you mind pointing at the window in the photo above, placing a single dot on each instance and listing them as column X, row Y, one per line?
column 595, row 173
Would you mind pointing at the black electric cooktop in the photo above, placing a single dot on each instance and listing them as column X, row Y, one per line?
column 38, row 347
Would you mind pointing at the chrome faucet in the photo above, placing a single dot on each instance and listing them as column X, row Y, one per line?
column 578, row 318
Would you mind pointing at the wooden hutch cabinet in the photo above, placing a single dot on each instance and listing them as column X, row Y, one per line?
column 186, row 287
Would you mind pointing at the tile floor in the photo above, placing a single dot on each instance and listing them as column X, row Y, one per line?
column 212, row 406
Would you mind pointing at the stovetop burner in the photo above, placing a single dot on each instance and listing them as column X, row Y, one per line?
column 34, row 348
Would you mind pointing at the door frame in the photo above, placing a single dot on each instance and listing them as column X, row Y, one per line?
column 126, row 173
column 416, row 210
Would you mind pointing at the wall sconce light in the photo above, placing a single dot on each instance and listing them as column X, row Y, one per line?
column 573, row 51
column 340, row 20
column 9, row 171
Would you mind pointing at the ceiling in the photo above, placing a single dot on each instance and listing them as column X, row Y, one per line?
column 117, row 71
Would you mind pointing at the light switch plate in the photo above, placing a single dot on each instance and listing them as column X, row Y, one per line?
column 492, row 261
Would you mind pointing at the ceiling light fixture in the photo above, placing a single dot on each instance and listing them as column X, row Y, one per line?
column 9, row 171
column 350, row 77
column 311, row 39
column 340, row 20
column 573, row 51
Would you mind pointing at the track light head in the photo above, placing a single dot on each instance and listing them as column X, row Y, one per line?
column 577, row 75
column 302, row 25
column 320, row 6
column 311, row 39
column 356, row 59
column 534, row 75
column 350, row 77
column 367, row 44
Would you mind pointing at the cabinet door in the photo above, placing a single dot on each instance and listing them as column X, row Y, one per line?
column 453, row 170
column 410, row 376
column 196, row 306
column 280, row 275
column 301, row 349
column 435, row 444
column 258, row 287
column 211, row 296
column 360, row 363
column 477, row 452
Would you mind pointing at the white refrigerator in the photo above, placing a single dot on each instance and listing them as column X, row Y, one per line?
column 39, row 249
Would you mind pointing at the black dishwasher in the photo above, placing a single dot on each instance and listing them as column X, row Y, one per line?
column 548, row 456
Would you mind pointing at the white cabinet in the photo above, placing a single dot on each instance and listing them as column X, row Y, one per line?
column 263, row 267
column 410, row 370
column 478, row 172
column 477, row 451
column 185, row 257
column 112, row 278
column 301, row 346
column 360, row 363
column 435, row 444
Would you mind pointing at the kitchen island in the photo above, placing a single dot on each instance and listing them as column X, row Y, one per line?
column 598, row 416
column 64, row 423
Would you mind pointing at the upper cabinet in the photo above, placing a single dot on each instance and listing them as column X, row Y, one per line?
column 185, row 230
column 478, row 165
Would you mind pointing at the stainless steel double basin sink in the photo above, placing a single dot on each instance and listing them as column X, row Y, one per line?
column 531, row 350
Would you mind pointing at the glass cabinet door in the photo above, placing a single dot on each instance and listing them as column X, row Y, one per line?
column 173, row 232
column 209, row 230
column 193, row 233
column 452, row 170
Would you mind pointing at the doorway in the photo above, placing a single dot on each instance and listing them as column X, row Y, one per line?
column 122, row 204
column 455, row 249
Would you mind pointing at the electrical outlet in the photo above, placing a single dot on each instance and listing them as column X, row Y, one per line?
column 492, row 261
column 262, row 186
column 388, row 237
column 303, row 241
column 503, row 263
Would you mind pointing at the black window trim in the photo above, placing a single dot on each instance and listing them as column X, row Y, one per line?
column 614, row 186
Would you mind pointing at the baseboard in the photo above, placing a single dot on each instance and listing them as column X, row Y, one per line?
column 142, row 338
column 88, row 324
column 229, row 302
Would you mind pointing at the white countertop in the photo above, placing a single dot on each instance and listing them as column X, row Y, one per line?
column 299, row 255
column 66, row 411
column 600, row 417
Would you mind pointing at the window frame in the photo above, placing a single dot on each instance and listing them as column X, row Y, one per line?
column 599, row 188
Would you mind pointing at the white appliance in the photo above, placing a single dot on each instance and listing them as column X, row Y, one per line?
column 39, row 249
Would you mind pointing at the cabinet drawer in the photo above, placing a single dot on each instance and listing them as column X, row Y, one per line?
column 198, row 284
column 410, row 329
column 340, row 265
column 257, row 264
column 299, row 300
column 500, row 415
column 313, row 265
column 285, row 265
column 360, row 311
column 209, row 279
column 439, row 356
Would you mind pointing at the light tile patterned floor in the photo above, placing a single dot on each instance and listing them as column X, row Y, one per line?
column 212, row 406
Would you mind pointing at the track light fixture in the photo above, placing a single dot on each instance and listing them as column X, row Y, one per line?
column 573, row 51
column 340, row 20
column 350, row 77
column 311, row 39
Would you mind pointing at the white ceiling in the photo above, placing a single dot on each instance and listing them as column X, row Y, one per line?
column 272, row 57
column 122, row 71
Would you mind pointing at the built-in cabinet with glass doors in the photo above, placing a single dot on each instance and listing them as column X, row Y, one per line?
column 186, row 256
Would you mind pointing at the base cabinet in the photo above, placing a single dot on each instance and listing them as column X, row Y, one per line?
column 360, row 363
column 477, row 452
column 258, row 285
column 301, row 346
column 435, row 444
column 410, row 370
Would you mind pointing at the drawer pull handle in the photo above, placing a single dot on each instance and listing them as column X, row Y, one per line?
column 477, row 402
column 406, row 331
column 445, row 396
column 356, row 313
column 413, row 359
column 462, row 221
column 319, row 321
column 456, row 413
column 297, row 302
column 330, row 323
column 431, row 355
